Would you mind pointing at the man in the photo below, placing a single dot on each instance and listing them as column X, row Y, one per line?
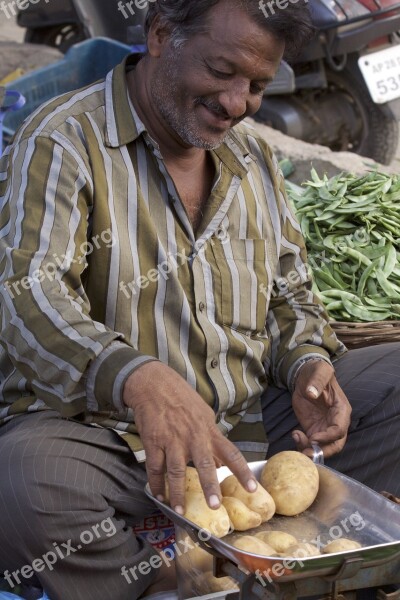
column 148, row 255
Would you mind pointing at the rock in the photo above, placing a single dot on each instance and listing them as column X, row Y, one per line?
column 304, row 156
column 25, row 56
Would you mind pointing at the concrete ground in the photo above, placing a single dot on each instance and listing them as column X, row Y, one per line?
column 303, row 154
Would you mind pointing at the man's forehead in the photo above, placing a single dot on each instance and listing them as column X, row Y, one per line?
column 232, row 34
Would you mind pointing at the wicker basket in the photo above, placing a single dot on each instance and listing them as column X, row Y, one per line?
column 360, row 335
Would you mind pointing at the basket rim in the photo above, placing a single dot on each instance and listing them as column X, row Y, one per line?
column 365, row 324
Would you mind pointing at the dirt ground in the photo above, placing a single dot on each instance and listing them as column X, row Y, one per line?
column 13, row 53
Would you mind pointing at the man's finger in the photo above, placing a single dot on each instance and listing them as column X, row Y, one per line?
column 332, row 448
column 204, row 462
column 155, row 468
column 236, row 462
column 176, row 472
column 333, row 434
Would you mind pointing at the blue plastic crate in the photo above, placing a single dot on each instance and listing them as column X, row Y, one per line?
column 83, row 64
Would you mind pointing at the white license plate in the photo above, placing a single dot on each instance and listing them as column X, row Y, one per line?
column 381, row 72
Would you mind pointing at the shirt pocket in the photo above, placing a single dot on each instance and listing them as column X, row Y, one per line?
column 244, row 283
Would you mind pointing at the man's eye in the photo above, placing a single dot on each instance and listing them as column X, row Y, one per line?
column 220, row 74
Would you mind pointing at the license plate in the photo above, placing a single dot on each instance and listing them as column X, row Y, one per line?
column 381, row 72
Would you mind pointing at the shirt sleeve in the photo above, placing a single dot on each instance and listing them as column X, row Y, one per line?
column 71, row 362
column 297, row 321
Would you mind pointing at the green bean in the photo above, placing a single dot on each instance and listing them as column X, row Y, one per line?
column 364, row 314
column 336, row 305
column 378, row 301
column 365, row 276
column 355, row 223
column 326, row 277
column 357, row 256
column 390, row 261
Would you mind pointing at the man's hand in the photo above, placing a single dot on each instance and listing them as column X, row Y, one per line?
column 176, row 426
column 322, row 409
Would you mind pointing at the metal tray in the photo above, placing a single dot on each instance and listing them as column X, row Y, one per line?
column 342, row 508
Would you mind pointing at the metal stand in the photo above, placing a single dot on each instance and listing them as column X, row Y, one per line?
column 341, row 586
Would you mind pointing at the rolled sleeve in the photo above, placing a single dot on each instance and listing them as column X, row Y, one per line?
column 107, row 374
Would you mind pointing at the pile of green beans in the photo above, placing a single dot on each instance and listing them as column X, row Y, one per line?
column 352, row 229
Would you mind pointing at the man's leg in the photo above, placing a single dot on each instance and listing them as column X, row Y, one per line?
column 370, row 377
column 68, row 494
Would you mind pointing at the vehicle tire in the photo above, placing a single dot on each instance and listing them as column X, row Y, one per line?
column 376, row 134
column 61, row 37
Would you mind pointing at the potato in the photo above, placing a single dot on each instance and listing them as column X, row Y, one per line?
column 303, row 528
column 259, row 501
column 217, row 584
column 197, row 510
column 192, row 483
column 192, row 480
column 249, row 543
column 279, row 540
column 242, row 518
column 340, row 546
column 292, row 479
column 302, row 550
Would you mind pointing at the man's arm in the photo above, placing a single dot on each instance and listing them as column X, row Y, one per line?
column 303, row 343
column 70, row 361
column 297, row 320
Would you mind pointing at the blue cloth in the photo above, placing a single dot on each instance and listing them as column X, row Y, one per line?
column 9, row 596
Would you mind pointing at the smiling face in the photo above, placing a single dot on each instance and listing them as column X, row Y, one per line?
column 215, row 79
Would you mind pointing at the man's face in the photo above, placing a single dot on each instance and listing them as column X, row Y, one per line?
column 215, row 79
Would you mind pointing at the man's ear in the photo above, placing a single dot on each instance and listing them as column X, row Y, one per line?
column 158, row 37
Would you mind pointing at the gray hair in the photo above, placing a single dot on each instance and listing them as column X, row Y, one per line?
column 186, row 18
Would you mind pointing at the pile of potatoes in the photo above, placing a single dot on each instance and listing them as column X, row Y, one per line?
column 288, row 486
column 280, row 543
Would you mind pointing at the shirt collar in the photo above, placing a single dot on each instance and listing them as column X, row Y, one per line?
column 122, row 122
column 124, row 126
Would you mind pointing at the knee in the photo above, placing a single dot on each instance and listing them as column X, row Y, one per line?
column 35, row 479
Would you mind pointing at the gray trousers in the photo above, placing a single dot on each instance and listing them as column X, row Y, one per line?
column 63, row 484
column 68, row 495
column 370, row 377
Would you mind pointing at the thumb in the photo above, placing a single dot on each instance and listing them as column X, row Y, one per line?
column 312, row 392
column 300, row 439
column 314, row 378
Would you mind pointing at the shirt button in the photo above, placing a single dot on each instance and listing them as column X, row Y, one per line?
column 221, row 234
column 214, row 363
column 201, row 306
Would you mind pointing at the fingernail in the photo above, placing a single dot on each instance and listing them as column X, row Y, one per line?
column 296, row 437
column 312, row 390
column 179, row 510
column 252, row 485
column 214, row 501
column 160, row 498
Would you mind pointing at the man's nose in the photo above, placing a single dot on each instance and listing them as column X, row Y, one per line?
column 235, row 101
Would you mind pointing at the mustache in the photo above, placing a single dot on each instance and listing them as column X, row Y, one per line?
column 217, row 108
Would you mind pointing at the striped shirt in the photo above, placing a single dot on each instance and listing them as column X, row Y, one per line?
column 102, row 271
